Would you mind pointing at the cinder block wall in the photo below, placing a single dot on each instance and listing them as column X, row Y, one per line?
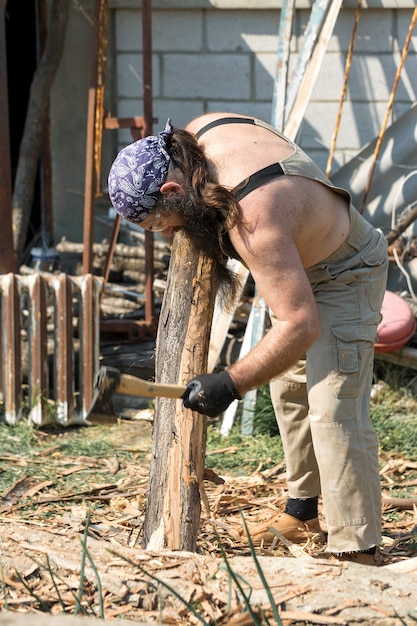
column 223, row 57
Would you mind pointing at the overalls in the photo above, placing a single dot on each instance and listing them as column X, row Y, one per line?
column 322, row 403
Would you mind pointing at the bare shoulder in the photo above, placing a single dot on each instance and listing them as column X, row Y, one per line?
column 292, row 217
column 206, row 118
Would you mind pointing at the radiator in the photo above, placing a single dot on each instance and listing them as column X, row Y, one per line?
column 49, row 346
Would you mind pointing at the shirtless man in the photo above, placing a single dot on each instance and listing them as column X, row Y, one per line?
column 241, row 189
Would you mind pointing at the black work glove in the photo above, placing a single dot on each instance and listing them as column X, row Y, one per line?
column 210, row 394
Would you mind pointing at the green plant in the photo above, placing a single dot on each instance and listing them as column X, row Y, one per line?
column 237, row 453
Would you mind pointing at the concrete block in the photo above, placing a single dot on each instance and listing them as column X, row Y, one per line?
column 407, row 87
column 265, row 67
column 181, row 111
column 372, row 77
column 174, row 31
column 206, row 76
column 171, row 30
column 375, row 31
column 128, row 30
column 329, row 82
column 359, row 124
column 236, row 31
column 342, row 32
column 403, row 25
column 130, row 75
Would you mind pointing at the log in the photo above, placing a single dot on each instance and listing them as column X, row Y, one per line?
column 403, row 504
column 173, row 509
column 138, row 264
column 406, row 357
column 120, row 303
column 121, row 249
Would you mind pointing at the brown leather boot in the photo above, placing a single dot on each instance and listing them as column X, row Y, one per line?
column 290, row 527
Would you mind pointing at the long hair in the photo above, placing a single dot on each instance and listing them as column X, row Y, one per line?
column 209, row 209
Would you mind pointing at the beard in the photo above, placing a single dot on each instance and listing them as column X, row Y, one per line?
column 205, row 231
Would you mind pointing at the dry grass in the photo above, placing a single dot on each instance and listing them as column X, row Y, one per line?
column 55, row 481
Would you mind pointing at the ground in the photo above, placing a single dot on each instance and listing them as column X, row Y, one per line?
column 70, row 543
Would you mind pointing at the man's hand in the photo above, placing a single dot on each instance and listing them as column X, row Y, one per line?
column 210, row 394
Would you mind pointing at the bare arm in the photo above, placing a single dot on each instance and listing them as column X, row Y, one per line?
column 272, row 256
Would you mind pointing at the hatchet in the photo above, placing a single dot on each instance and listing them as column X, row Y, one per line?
column 110, row 380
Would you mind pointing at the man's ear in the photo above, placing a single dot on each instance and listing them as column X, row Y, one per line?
column 172, row 186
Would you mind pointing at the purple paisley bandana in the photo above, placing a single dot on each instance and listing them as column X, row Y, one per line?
column 137, row 174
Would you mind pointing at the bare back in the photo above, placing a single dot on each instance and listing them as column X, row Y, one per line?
column 311, row 214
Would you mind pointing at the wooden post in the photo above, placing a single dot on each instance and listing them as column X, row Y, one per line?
column 179, row 438
column 7, row 259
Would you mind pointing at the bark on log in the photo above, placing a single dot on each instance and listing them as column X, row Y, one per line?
column 179, row 439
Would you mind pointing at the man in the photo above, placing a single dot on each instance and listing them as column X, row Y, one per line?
column 241, row 189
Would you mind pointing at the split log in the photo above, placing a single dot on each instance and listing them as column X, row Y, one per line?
column 179, row 439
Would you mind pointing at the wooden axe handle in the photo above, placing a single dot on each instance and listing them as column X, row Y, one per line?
column 132, row 385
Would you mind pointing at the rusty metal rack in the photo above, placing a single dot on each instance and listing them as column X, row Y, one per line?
column 49, row 346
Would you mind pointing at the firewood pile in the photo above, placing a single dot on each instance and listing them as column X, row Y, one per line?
column 124, row 298
column 124, row 292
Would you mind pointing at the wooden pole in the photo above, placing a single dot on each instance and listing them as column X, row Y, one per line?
column 283, row 55
column 296, row 107
column 7, row 259
column 94, row 132
column 179, row 439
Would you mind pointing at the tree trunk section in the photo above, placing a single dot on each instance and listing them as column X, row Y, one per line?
column 179, row 439
column 33, row 135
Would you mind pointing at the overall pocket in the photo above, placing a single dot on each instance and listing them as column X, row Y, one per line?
column 352, row 350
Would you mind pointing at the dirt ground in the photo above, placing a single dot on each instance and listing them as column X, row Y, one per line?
column 46, row 551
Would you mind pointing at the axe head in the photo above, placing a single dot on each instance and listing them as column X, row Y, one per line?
column 101, row 410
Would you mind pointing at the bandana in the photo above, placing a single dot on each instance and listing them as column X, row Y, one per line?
column 137, row 174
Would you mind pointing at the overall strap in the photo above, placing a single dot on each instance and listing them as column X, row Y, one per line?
column 224, row 120
column 257, row 179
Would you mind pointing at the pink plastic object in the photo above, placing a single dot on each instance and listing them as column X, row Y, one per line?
column 398, row 323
